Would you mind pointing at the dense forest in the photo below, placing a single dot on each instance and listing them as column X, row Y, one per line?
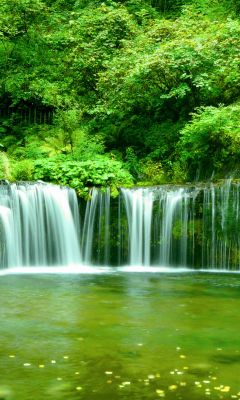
column 119, row 92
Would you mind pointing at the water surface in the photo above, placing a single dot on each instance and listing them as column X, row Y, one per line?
column 120, row 336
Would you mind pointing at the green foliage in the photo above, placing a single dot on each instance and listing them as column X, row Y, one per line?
column 178, row 171
column 173, row 68
column 82, row 175
column 18, row 15
column 4, row 166
column 74, row 44
column 132, row 163
column 122, row 78
column 211, row 141
column 217, row 8
column 152, row 173
column 22, row 170
column 66, row 136
column 149, row 90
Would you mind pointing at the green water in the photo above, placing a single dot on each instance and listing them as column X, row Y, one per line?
column 122, row 336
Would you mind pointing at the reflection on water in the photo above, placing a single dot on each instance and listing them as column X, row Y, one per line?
column 122, row 336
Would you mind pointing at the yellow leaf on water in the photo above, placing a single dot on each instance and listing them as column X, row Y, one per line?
column 151, row 376
column 225, row 389
column 172, row 387
column 160, row 392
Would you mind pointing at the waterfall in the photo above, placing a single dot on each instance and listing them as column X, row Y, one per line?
column 37, row 225
column 221, row 226
column 195, row 226
column 139, row 205
column 171, row 204
column 156, row 216
column 96, row 227
column 190, row 226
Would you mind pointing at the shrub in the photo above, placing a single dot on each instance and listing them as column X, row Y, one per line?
column 211, row 141
column 22, row 170
column 82, row 175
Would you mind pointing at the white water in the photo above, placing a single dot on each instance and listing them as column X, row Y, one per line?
column 155, row 229
column 188, row 226
column 171, row 203
column 37, row 226
column 173, row 214
column 96, row 227
column 99, row 270
column 139, row 205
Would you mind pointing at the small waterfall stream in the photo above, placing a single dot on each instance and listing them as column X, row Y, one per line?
column 191, row 226
column 37, row 225
column 139, row 205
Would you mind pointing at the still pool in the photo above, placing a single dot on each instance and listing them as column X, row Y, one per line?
column 120, row 336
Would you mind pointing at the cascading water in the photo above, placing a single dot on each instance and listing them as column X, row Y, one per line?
column 156, row 218
column 37, row 225
column 96, row 227
column 192, row 226
column 171, row 203
column 138, row 205
column 196, row 227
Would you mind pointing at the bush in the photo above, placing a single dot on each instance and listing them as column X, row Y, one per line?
column 82, row 175
column 22, row 170
column 211, row 141
column 152, row 173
